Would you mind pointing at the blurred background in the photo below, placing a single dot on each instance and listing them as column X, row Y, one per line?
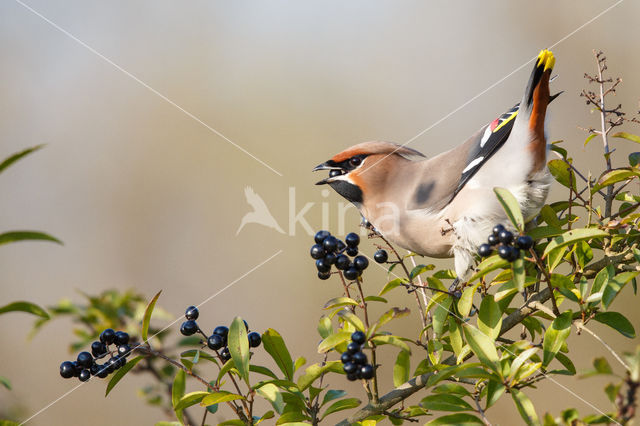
column 146, row 197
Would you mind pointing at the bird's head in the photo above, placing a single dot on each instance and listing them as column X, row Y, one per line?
column 363, row 168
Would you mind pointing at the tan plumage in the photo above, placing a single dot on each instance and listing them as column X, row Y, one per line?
column 445, row 206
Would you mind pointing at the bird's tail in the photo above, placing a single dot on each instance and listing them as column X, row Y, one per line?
column 533, row 107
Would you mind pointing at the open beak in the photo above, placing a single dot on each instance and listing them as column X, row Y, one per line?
column 325, row 166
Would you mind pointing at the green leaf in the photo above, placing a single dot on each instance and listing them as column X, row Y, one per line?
column 458, row 419
column 190, row 399
column 351, row 318
column 299, row 362
column 600, row 366
column 238, row 344
column 334, row 340
column 482, row 346
column 271, row 393
column 561, row 172
column 5, row 382
column 331, row 395
column 401, row 368
column 565, row 286
column 391, row 314
column 13, row 236
column 340, row 301
column 119, row 374
column 420, row 269
column 489, row 264
column 614, row 286
column 614, row 176
column 343, row 404
column 444, row 402
column 555, row 336
column 440, row 316
column 520, row 360
column 511, row 207
column 325, row 328
column 392, row 284
column 451, row 388
column 518, row 273
column 18, row 155
column 627, row 136
column 218, row 397
column 525, row 407
column 262, row 370
column 634, row 159
column 566, row 363
column 591, row 136
column 146, row 319
column 466, row 300
column 268, row 415
column 274, row 345
column 489, row 317
column 391, row 340
column 375, row 299
column 616, row 321
column 27, row 307
column 314, row 371
column 177, row 391
column 455, row 336
column 573, row 236
column 494, row 391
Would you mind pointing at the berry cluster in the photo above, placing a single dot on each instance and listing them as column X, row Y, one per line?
column 329, row 251
column 86, row 364
column 355, row 361
column 508, row 246
column 218, row 339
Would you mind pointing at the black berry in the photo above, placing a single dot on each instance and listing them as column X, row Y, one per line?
column 94, row 369
column 221, row 330
column 192, row 313
column 381, row 256
column 353, row 347
column 76, row 369
column 103, row 371
column 505, row 237
column 254, row 339
column 98, row 349
column 524, row 242
column 342, row 262
column 350, row 368
column 84, row 359
column 351, row 273
column 335, row 172
column 361, row 263
column 320, row 236
column 493, row 240
column 485, row 250
column 352, row 251
column 341, row 246
column 121, row 338
column 345, row 357
column 330, row 244
column 359, row 358
column 324, row 275
column 189, row 328
column 123, row 350
column 366, row 372
column 352, row 239
column 497, row 229
column 352, row 377
column 215, row 342
column 503, row 251
column 330, row 258
column 322, row 266
column 225, row 355
column 512, row 253
column 358, row 337
column 84, row 375
column 67, row 369
column 317, row 252
column 107, row 336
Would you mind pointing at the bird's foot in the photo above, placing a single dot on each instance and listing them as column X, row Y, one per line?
column 456, row 288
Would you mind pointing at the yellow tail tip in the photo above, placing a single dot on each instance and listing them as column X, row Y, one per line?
column 547, row 59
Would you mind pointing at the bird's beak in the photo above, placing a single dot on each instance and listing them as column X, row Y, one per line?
column 325, row 166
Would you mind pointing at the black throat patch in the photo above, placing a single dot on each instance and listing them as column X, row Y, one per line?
column 348, row 190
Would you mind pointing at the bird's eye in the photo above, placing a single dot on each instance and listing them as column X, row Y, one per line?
column 355, row 161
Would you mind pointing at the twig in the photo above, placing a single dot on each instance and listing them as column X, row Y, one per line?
column 476, row 398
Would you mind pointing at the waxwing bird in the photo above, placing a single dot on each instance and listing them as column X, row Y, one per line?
column 445, row 206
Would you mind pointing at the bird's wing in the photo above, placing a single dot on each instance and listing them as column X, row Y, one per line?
column 486, row 144
column 534, row 103
column 254, row 199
